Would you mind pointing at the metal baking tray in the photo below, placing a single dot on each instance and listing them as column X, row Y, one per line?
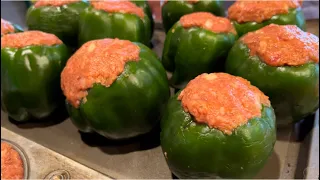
column 141, row 157
column 22, row 155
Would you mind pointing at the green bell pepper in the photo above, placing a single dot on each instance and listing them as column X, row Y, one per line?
column 30, row 86
column 293, row 90
column 16, row 27
column 193, row 150
column 193, row 51
column 63, row 21
column 130, row 106
column 98, row 24
column 146, row 8
column 172, row 11
column 294, row 17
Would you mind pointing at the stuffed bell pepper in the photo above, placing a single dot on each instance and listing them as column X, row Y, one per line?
column 114, row 87
column 172, row 11
column 115, row 19
column 218, row 126
column 252, row 15
column 57, row 17
column 198, row 43
column 8, row 27
column 283, row 62
column 31, row 63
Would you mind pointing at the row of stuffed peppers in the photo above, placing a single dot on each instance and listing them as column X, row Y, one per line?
column 212, row 114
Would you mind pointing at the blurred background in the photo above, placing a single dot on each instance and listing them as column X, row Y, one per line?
column 14, row 11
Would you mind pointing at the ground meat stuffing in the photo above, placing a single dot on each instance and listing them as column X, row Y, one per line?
column 97, row 61
column 280, row 45
column 6, row 27
column 11, row 163
column 207, row 21
column 29, row 38
column 222, row 101
column 257, row 11
column 41, row 3
column 118, row 6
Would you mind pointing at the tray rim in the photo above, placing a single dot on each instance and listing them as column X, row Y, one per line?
column 23, row 156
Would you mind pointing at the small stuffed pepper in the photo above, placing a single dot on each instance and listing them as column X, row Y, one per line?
column 172, row 11
column 219, row 126
column 115, row 19
column 196, row 44
column 57, row 17
column 283, row 62
column 8, row 27
column 114, row 87
column 252, row 15
column 31, row 63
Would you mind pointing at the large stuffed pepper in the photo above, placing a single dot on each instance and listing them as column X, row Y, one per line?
column 31, row 63
column 198, row 43
column 57, row 17
column 219, row 126
column 172, row 11
column 8, row 27
column 115, row 19
column 283, row 62
column 114, row 87
column 252, row 15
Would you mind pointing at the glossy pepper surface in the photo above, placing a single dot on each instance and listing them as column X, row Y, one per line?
column 294, row 16
column 59, row 19
column 146, row 8
column 194, row 150
column 293, row 89
column 30, row 86
column 191, row 51
column 99, row 24
column 130, row 106
column 172, row 11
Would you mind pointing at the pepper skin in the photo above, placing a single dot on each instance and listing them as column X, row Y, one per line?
column 98, row 24
column 146, row 8
column 293, row 90
column 196, row 151
column 172, row 11
column 30, row 86
column 130, row 106
column 193, row 51
column 294, row 17
column 63, row 21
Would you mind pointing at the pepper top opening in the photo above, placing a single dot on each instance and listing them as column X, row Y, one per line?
column 222, row 101
column 280, row 45
column 118, row 6
column 29, row 38
column 207, row 21
column 257, row 11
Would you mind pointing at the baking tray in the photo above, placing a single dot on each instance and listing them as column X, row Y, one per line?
column 22, row 155
column 141, row 157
